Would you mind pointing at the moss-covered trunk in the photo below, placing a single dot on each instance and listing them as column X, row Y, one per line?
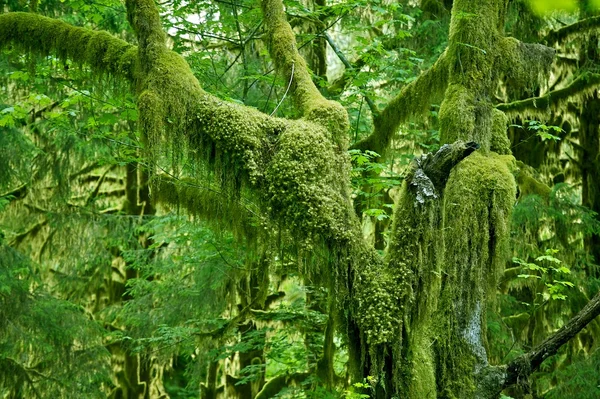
column 451, row 241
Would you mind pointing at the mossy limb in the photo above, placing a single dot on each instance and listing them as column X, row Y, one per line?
column 103, row 52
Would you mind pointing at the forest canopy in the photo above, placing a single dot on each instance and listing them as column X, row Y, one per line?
column 300, row 199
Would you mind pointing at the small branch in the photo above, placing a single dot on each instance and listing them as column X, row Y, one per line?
column 348, row 65
column 286, row 91
column 585, row 82
column 523, row 366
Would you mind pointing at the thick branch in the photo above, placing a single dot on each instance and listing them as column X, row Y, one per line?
column 524, row 64
column 98, row 49
column 414, row 99
column 583, row 83
column 144, row 18
column 524, row 365
column 559, row 35
column 289, row 64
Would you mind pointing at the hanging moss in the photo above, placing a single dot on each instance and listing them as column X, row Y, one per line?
column 581, row 87
column 100, row 50
column 524, row 64
column 457, row 115
column 500, row 143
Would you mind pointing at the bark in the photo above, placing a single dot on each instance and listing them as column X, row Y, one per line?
column 521, row 368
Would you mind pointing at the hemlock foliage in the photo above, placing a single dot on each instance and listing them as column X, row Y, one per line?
column 299, row 199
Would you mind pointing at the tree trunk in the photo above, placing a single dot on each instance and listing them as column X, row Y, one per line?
column 456, row 232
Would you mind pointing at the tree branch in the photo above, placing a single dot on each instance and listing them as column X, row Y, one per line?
column 583, row 83
column 559, row 35
column 144, row 18
column 523, row 366
column 414, row 99
column 524, row 64
column 284, row 52
column 98, row 49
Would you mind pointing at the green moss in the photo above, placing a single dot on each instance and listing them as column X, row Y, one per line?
column 38, row 34
column 500, row 143
column 528, row 184
column 457, row 115
column 284, row 53
column 448, row 255
column 541, row 107
column 524, row 65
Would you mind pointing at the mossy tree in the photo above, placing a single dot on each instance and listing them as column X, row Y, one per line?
column 414, row 319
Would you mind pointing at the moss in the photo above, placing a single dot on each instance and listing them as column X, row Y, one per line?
column 523, row 64
column 100, row 50
column 529, row 184
column 414, row 100
column 284, row 52
column 377, row 295
column 541, row 107
column 500, row 143
column 448, row 254
column 457, row 115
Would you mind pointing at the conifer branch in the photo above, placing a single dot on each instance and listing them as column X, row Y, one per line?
column 101, row 51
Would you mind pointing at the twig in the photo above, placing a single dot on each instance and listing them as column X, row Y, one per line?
column 286, row 90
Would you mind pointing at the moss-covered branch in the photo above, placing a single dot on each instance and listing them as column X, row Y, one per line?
column 101, row 51
column 581, row 85
column 523, row 366
column 413, row 100
column 290, row 65
column 144, row 18
column 524, row 64
column 579, row 27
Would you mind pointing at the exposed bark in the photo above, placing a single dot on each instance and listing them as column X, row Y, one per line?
column 521, row 368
